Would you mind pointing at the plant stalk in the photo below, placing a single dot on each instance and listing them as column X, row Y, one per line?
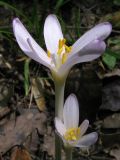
column 59, row 102
column 59, row 99
column 68, row 153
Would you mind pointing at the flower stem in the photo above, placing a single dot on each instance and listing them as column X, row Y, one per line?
column 58, row 147
column 59, row 101
column 68, row 153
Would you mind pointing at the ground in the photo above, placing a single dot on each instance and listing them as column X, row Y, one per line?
column 27, row 89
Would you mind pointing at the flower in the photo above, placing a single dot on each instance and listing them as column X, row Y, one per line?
column 59, row 58
column 68, row 129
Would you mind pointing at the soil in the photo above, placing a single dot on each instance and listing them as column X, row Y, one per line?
column 27, row 108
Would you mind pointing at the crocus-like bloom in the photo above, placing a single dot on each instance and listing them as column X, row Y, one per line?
column 68, row 129
column 59, row 58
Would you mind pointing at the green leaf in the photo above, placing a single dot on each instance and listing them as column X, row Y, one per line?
column 109, row 60
column 17, row 11
column 113, row 53
column 60, row 3
column 117, row 2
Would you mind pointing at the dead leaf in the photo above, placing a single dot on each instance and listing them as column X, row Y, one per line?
column 109, row 139
column 114, row 18
column 116, row 153
column 111, row 96
column 37, row 92
column 49, row 145
column 20, row 153
column 4, row 111
column 32, row 142
column 112, row 121
column 49, row 142
column 16, row 132
column 6, row 92
column 115, row 72
column 1, row 158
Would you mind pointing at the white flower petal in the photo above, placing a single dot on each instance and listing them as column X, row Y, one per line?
column 100, row 32
column 88, row 53
column 31, row 48
column 95, row 47
column 60, row 126
column 87, row 140
column 52, row 33
column 83, row 127
column 71, row 112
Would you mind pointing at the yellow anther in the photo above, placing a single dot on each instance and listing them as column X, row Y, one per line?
column 48, row 53
column 74, row 138
column 64, row 41
column 60, row 44
column 68, row 49
column 60, row 51
column 72, row 134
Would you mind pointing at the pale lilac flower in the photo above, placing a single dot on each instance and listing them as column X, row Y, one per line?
column 68, row 129
column 59, row 58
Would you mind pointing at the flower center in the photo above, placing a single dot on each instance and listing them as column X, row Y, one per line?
column 62, row 53
column 72, row 134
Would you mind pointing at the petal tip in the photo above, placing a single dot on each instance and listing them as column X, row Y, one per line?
column 52, row 33
column 86, row 121
column 51, row 16
column 72, row 99
column 16, row 20
column 72, row 95
column 108, row 25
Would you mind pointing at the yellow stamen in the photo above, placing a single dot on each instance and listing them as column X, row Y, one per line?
column 60, row 51
column 48, row 53
column 72, row 134
column 60, row 44
column 63, row 50
column 68, row 49
column 64, row 41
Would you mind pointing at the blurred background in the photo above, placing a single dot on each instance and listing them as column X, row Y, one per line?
column 27, row 88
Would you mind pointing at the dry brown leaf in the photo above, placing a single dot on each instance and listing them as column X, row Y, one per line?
column 37, row 92
column 114, row 18
column 1, row 157
column 20, row 153
column 4, row 111
column 116, row 153
column 115, row 72
column 111, row 96
column 112, row 121
column 16, row 132
column 32, row 142
column 6, row 92
column 109, row 139
column 49, row 144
